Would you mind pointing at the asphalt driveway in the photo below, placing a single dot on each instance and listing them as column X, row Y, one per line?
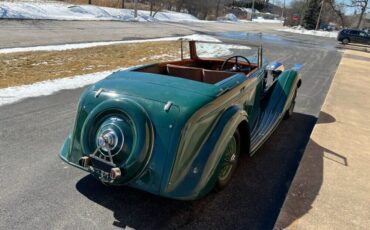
column 39, row 191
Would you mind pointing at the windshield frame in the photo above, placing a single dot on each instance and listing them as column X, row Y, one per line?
column 193, row 49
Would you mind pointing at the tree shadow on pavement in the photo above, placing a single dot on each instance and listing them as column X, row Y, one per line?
column 251, row 201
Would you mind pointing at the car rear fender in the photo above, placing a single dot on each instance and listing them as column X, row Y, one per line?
column 201, row 177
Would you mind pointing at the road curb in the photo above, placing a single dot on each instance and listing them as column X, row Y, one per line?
column 363, row 48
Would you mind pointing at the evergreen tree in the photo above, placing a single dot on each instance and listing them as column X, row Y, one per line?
column 311, row 14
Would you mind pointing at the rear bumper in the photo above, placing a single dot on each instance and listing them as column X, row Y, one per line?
column 64, row 152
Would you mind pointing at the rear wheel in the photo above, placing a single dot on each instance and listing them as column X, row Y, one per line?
column 345, row 41
column 230, row 161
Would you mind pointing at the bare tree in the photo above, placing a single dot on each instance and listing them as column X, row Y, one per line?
column 151, row 6
column 179, row 4
column 363, row 6
column 157, row 5
column 337, row 8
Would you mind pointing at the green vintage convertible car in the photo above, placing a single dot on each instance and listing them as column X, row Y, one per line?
column 176, row 129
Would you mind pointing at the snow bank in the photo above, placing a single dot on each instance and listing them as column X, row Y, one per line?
column 43, row 88
column 194, row 37
column 262, row 20
column 301, row 30
column 60, row 11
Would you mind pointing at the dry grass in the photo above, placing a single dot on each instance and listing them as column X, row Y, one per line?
column 29, row 67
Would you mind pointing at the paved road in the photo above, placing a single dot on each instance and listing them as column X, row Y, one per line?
column 20, row 33
column 39, row 191
column 16, row 33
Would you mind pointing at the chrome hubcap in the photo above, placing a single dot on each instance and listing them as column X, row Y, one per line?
column 108, row 140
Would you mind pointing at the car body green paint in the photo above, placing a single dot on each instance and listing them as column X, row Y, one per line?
column 184, row 144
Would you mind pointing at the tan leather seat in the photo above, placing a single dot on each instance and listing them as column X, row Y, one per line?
column 191, row 73
column 214, row 76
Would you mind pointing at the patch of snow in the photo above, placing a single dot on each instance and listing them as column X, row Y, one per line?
column 43, row 88
column 40, row 63
column 229, row 17
column 217, row 50
column 262, row 20
column 248, row 10
column 61, row 11
column 301, row 30
column 157, row 57
column 201, row 38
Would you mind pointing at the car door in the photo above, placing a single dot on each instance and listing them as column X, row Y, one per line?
column 364, row 38
column 355, row 36
column 256, row 89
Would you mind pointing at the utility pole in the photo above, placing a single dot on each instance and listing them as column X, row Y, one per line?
column 283, row 12
column 318, row 19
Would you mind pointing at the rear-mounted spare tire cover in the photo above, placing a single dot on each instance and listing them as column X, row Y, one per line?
column 133, row 135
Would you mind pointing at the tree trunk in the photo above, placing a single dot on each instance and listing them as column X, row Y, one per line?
column 363, row 9
column 123, row 4
column 151, row 8
column 217, row 8
column 159, row 8
column 89, row 2
column 135, row 7
column 204, row 10
column 169, row 6
column 179, row 5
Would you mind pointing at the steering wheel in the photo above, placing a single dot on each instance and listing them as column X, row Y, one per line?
column 237, row 67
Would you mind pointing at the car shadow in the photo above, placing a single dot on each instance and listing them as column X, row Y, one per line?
column 251, row 201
